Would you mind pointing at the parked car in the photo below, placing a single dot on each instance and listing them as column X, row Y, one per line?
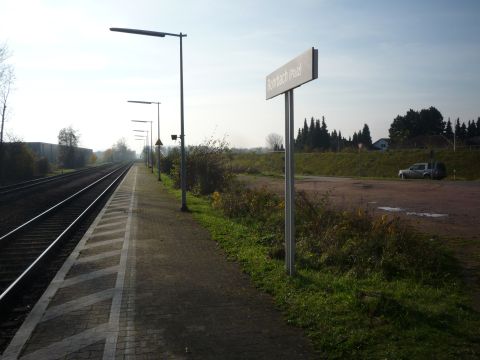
column 427, row 170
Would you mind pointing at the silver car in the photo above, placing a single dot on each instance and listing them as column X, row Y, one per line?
column 426, row 170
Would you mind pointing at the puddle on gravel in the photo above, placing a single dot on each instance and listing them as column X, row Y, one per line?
column 427, row 214
column 391, row 209
column 411, row 213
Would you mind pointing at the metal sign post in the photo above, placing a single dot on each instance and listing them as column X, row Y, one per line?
column 298, row 71
column 289, row 186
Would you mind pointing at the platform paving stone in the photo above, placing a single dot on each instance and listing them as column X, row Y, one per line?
column 147, row 282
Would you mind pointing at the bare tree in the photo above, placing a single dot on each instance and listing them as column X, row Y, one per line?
column 68, row 139
column 274, row 142
column 6, row 80
column 121, row 152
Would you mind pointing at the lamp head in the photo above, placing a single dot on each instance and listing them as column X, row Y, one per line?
column 139, row 102
column 139, row 32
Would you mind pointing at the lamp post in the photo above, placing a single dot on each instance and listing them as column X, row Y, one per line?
column 148, row 155
column 145, row 146
column 182, row 132
column 158, row 127
column 144, row 139
column 151, row 135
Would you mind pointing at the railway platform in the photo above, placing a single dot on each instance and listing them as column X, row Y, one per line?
column 147, row 282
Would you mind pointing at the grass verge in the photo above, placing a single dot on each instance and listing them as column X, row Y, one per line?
column 348, row 317
column 373, row 164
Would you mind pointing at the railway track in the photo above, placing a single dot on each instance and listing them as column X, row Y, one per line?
column 31, row 247
column 32, row 184
column 25, row 200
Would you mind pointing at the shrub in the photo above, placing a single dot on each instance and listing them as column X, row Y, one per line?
column 207, row 168
column 167, row 161
column 344, row 242
column 16, row 162
column 42, row 166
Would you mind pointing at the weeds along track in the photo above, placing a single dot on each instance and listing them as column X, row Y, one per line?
column 24, row 251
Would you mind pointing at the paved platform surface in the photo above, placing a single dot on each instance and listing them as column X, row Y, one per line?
column 147, row 282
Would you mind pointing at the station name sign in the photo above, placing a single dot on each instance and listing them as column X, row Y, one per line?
column 302, row 69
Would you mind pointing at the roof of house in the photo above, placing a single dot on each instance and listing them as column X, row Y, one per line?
column 384, row 139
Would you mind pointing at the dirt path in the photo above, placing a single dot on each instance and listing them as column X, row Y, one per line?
column 446, row 208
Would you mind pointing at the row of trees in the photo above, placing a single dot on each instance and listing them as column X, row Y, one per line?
column 316, row 137
column 119, row 152
column 463, row 131
column 428, row 122
column 70, row 157
column 406, row 130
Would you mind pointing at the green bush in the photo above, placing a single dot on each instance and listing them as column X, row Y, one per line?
column 16, row 162
column 207, row 168
column 167, row 161
column 42, row 167
column 345, row 242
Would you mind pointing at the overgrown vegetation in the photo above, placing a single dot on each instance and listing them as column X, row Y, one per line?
column 351, row 243
column 360, row 164
column 18, row 163
column 207, row 167
column 366, row 288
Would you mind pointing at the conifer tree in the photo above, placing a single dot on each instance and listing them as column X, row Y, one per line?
column 317, row 136
column 458, row 128
column 471, row 129
column 311, row 130
column 366, row 139
column 355, row 140
column 463, row 132
column 325, row 137
column 448, row 130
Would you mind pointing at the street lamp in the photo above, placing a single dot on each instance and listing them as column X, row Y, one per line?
column 148, row 155
column 158, row 126
column 182, row 132
column 144, row 139
column 145, row 146
column 151, row 134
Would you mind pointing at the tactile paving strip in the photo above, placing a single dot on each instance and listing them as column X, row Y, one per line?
column 78, row 316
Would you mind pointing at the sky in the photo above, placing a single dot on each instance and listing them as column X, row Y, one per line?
column 376, row 59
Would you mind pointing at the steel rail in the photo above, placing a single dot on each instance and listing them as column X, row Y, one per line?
column 51, row 209
column 4, row 190
column 10, row 291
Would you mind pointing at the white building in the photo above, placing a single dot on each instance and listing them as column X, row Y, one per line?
column 381, row 144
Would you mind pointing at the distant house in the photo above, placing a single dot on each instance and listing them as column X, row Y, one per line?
column 381, row 144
